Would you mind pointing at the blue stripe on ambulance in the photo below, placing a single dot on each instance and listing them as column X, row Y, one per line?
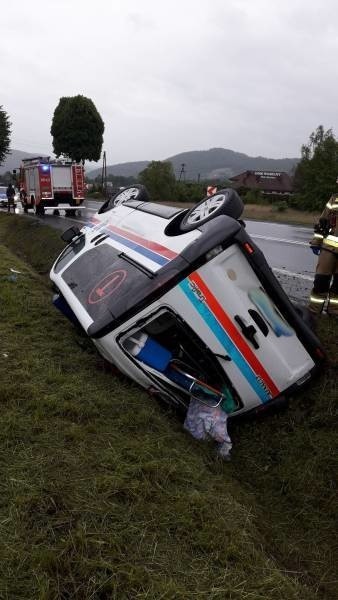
column 226, row 342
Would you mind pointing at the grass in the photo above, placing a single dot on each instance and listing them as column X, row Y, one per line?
column 291, row 216
column 103, row 495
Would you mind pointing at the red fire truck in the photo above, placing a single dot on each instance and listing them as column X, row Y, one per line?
column 51, row 185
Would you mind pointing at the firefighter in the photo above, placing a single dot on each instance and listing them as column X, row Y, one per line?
column 325, row 245
column 23, row 199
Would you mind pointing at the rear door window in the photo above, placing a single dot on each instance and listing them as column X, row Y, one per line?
column 104, row 281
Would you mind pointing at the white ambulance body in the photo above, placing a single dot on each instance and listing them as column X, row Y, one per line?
column 184, row 303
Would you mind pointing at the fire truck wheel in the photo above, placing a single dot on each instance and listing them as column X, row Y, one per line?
column 224, row 202
column 39, row 210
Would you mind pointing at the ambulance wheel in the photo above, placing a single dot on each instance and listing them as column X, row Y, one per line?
column 132, row 192
column 224, row 202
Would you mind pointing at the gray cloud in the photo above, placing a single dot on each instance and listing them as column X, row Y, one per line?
column 256, row 77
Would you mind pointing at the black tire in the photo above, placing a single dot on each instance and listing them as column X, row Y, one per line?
column 132, row 192
column 224, row 202
column 71, row 213
column 39, row 210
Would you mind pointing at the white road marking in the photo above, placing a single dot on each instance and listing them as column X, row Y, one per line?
column 274, row 239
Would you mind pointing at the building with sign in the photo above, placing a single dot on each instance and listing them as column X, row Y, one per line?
column 272, row 183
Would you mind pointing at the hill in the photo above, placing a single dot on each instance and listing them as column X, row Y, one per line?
column 128, row 169
column 14, row 159
column 208, row 164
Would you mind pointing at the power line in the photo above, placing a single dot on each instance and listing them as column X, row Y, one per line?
column 104, row 175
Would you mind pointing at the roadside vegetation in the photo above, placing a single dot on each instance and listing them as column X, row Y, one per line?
column 103, row 495
column 279, row 214
column 5, row 134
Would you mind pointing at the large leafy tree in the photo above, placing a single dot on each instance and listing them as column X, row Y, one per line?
column 316, row 173
column 159, row 179
column 77, row 129
column 5, row 134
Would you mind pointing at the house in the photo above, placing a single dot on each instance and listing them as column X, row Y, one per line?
column 272, row 183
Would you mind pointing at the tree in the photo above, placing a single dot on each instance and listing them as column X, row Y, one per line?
column 189, row 191
column 316, row 173
column 5, row 134
column 77, row 129
column 159, row 179
column 7, row 178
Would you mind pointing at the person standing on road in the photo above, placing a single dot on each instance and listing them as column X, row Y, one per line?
column 10, row 193
column 325, row 245
column 23, row 199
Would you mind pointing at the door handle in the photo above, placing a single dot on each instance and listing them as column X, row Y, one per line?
column 248, row 331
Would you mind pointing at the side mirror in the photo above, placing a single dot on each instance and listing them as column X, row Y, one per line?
column 70, row 234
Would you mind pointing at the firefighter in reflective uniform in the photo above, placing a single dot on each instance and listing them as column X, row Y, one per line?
column 325, row 244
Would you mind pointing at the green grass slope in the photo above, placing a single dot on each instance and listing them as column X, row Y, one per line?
column 103, row 495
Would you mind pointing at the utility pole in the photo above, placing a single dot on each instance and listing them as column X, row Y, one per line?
column 104, row 175
column 182, row 173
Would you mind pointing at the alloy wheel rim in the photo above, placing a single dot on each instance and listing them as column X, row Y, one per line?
column 205, row 209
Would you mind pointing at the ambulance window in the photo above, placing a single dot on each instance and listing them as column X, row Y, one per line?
column 72, row 250
column 105, row 282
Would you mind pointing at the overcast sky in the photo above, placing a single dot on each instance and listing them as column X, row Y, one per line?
column 255, row 76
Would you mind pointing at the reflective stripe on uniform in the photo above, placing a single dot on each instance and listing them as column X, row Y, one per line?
column 331, row 241
column 332, row 205
column 317, row 237
column 316, row 303
column 317, row 300
column 332, row 306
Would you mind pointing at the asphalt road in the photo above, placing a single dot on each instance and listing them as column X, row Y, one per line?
column 286, row 248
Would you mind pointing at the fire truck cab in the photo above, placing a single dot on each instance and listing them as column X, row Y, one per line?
column 51, row 185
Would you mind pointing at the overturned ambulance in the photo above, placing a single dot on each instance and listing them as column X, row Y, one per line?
column 184, row 303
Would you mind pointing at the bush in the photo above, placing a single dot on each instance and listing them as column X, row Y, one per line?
column 95, row 195
column 280, row 206
column 254, row 197
column 189, row 192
